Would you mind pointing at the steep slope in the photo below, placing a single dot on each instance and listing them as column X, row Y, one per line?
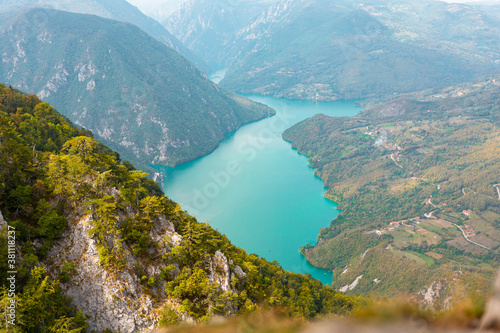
column 323, row 50
column 417, row 182
column 208, row 27
column 162, row 12
column 138, row 95
column 93, row 228
column 119, row 10
column 346, row 51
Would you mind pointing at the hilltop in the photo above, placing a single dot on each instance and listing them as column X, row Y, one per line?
column 119, row 10
column 136, row 94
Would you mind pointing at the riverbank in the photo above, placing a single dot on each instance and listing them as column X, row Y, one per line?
column 258, row 191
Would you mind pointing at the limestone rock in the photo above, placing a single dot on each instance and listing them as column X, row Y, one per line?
column 239, row 272
column 115, row 301
column 3, row 223
column 219, row 271
column 431, row 293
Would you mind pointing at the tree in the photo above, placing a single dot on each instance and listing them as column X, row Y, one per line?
column 51, row 225
column 41, row 307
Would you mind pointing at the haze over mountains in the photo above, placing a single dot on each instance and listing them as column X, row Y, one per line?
column 119, row 10
column 320, row 49
column 209, row 27
column 135, row 93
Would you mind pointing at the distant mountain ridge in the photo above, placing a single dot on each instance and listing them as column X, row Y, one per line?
column 119, row 10
column 208, row 26
column 135, row 93
column 323, row 50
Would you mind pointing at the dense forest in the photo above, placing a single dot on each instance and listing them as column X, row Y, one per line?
column 412, row 177
column 52, row 173
column 157, row 109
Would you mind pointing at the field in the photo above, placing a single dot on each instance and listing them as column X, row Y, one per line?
column 418, row 179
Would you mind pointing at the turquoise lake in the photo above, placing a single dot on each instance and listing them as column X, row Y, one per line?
column 259, row 191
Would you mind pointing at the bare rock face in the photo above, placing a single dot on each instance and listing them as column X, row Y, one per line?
column 431, row 296
column 491, row 318
column 3, row 223
column 219, row 271
column 114, row 301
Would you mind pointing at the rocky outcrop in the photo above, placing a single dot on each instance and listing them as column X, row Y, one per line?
column 352, row 285
column 3, row 223
column 219, row 271
column 115, row 301
column 491, row 318
column 118, row 300
column 430, row 295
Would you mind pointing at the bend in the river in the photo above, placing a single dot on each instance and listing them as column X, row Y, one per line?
column 259, row 191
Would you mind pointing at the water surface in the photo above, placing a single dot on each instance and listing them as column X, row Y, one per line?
column 259, row 191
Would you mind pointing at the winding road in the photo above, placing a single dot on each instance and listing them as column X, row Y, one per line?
column 430, row 202
column 467, row 238
column 399, row 165
column 463, row 191
column 429, row 216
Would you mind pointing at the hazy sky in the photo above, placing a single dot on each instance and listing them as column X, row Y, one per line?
column 148, row 4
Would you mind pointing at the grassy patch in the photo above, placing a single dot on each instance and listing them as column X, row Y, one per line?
column 428, row 260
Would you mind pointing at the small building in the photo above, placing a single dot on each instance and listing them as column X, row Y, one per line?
column 467, row 212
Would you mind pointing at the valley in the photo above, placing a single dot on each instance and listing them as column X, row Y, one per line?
column 150, row 109
column 97, row 238
column 323, row 50
column 243, row 187
column 249, row 166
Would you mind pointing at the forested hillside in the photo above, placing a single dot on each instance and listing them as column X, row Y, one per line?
column 417, row 180
column 89, row 225
column 328, row 50
column 136, row 94
column 119, row 10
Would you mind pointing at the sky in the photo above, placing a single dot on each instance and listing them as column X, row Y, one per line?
column 146, row 5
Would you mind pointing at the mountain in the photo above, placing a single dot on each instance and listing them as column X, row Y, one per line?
column 324, row 50
column 136, row 94
column 417, row 182
column 162, row 12
column 98, row 245
column 208, row 27
column 119, row 10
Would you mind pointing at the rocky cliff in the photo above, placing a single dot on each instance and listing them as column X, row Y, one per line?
column 3, row 223
column 119, row 300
